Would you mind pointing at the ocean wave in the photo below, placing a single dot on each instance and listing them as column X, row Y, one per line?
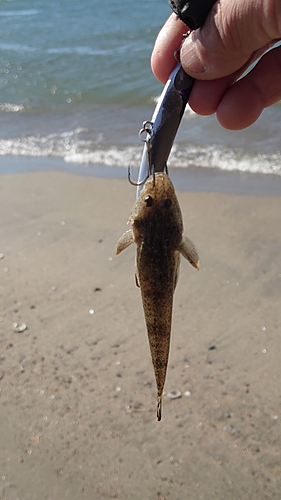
column 191, row 156
column 56, row 144
column 12, row 108
column 17, row 47
column 184, row 157
column 226, row 159
column 17, row 13
column 76, row 147
column 121, row 49
column 127, row 157
column 81, row 51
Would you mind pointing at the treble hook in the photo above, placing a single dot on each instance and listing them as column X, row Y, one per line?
column 148, row 128
column 137, row 184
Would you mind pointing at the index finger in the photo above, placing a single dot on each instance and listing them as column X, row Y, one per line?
column 168, row 41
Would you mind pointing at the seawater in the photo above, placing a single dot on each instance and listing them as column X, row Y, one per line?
column 76, row 83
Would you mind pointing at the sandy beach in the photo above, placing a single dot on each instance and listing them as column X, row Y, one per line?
column 78, row 396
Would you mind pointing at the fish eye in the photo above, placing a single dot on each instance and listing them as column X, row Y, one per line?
column 149, row 201
column 167, row 203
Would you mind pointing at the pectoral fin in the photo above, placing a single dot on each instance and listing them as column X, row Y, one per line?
column 189, row 252
column 125, row 241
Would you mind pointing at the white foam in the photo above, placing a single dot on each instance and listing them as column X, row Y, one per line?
column 12, row 108
column 76, row 147
column 225, row 159
column 49, row 145
column 17, row 47
column 16, row 13
column 129, row 156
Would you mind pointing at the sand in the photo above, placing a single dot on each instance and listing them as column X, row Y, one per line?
column 78, row 396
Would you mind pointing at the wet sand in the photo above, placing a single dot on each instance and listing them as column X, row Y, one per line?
column 78, row 396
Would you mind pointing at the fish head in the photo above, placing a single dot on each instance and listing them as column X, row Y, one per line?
column 157, row 207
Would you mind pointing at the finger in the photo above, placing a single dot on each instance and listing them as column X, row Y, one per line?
column 168, row 41
column 243, row 102
column 238, row 104
column 230, row 36
column 206, row 95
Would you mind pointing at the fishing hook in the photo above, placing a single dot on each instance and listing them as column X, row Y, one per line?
column 137, row 184
column 147, row 128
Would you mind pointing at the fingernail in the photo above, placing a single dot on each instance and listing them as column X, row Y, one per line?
column 189, row 57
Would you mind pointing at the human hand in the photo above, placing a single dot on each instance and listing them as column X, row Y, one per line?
column 234, row 35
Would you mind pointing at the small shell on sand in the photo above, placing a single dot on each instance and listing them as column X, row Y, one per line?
column 174, row 395
column 19, row 327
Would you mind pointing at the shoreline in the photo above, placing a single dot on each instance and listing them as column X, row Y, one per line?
column 187, row 180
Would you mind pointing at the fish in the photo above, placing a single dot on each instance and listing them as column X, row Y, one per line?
column 157, row 230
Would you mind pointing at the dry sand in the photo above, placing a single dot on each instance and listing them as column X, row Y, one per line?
column 78, row 397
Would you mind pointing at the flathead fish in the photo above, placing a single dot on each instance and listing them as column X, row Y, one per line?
column 157, row 230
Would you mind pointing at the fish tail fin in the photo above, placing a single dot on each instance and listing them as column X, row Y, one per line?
column 159, row 408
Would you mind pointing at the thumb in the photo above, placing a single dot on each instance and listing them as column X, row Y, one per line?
column 234, row 34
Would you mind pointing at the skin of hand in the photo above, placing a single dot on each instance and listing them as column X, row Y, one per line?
column 235, row 34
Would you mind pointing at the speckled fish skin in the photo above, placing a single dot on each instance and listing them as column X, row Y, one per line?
column 157, row 230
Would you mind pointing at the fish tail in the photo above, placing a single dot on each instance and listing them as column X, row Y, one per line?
column 159, row 408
